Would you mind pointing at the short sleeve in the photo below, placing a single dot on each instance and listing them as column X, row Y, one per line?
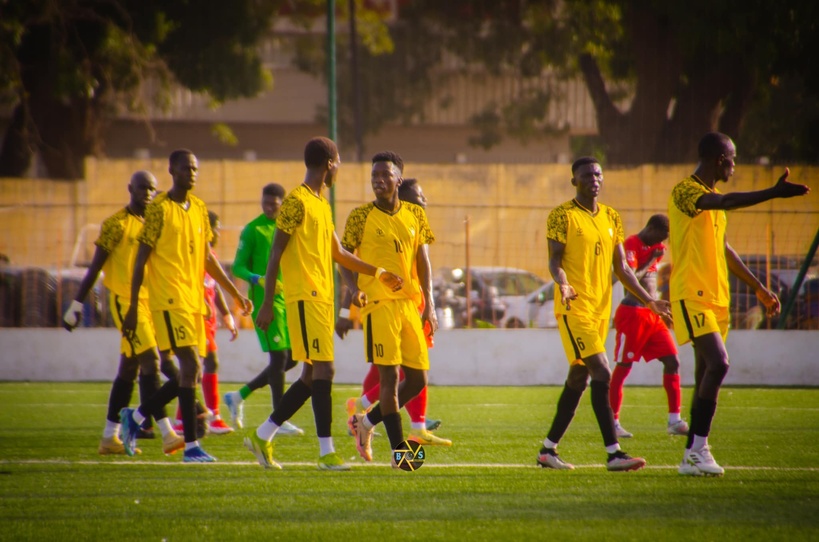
column 424, row 231
column 154, row 219
column 291, row 215
column 685, row 196
column 354, row 228
column 617, row 226
column 630, row 246
column 557, row 225
column 111, row 233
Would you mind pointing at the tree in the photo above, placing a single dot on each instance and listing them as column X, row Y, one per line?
column 659, row 73
column 67, row 66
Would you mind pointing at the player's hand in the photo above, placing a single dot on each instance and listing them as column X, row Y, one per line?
column 359, row 299
column 788, row 190
column 246, row 304
column 428, row 316
column 661, row 308
column 391, row 281
column 658, row 253
column 343, row 325
column 769, row 299
column 265, row 316
column 72, row 316
column 129, row 323
column 567, row 294
column 230, row 324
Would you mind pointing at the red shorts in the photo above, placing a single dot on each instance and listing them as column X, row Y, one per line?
column 641, row 334
column 210, row 335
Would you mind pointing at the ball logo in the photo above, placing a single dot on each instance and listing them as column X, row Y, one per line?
column 409, row 456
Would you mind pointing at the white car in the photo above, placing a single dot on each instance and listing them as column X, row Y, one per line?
column 533, row 310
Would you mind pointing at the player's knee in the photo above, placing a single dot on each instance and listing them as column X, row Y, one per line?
column 128, row 369
column 671, row 364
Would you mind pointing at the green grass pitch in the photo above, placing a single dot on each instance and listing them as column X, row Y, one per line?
column 54, row 485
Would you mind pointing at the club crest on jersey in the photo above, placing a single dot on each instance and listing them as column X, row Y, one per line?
column 379, row 232
column 579, row 232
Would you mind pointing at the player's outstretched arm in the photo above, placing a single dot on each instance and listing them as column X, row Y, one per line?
column 347, row 259
column 737, row 200
column 215, row 270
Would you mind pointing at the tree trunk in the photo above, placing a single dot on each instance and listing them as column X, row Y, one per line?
column 16, row 152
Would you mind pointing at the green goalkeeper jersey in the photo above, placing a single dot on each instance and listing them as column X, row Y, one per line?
column 252, row 255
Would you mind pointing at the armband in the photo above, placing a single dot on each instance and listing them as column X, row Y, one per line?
column 380, row 271
column 344, row 313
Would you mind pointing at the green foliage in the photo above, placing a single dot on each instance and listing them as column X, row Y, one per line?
column 486, row 487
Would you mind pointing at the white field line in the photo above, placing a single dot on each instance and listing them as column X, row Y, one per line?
column 355, row 465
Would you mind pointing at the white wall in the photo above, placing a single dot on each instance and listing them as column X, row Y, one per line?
column 460, row 357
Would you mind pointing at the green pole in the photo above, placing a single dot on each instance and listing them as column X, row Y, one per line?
column 794, row 292
column 332, row 117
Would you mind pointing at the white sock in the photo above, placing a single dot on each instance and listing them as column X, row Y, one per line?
column 165, row 426
column 365, row 402
column 326, row 446
column 267, row 430
column 111, row 429
column 613, row 448
column 367, row 423
column 138, row 417
column 616, row 422
column 673, row 417
column 418, row 426
column 191, row 445
column 699, row 442
column 549, row 444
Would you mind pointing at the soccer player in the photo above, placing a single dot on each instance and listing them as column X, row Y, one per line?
column 250, row 265
column 396, row 233
column 585, row 240
column 304, row 247
column 175, row 243
column 113, row 255
column 214, row 300
column 420, row 427
column 640, row 332
column 699, row 281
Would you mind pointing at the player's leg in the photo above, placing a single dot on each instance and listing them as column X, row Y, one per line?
column 210, row 391
column 618, row 379
column 280, row 363
column 671, row 384
column 120, row 396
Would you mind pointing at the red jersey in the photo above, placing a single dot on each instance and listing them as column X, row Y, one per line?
column 638, row 253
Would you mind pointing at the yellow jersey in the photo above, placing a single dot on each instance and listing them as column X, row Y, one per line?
column 390, row 241
column 179, row 237
column 118, row 237
column 590, row 239
column 307, row 261
column 697, row 241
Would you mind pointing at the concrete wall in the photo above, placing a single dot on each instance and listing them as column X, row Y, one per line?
column 460, row 357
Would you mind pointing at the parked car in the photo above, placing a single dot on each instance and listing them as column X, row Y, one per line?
column 500, row 295
column 536, row 309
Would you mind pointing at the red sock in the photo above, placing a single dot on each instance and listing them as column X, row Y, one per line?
column 618, row 378
column 210, row 389
column 417, row 407
column 671, row 383
column 178, row 413
column 371, row 380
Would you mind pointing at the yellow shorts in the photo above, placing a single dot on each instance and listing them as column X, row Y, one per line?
column 311, row 328
column 393, row 335
column 175, row 329
column 694, row 319
column 582, row 337
column 145, row 336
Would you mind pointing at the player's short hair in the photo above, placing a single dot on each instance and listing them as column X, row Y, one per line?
column 390, row 156
column 659, row 222
column 406, row 187
column 712, row 145
column 582, row 161
column 213, row 218
column 318, row 151
column 273, row 189
column 177, row 154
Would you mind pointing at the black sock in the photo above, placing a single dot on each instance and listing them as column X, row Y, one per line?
column 323, row 406
column 694, row 417
column 156, row 404
column 148, row 386
column 374, row 415
column 294, row 398
column 119, row 398
column 275, row 376
column 566, row 406
column 705, row 415
column 187, row 404
column 602, row 411
column 394, row 428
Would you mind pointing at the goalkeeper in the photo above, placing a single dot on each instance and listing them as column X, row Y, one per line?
column 250, row 265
